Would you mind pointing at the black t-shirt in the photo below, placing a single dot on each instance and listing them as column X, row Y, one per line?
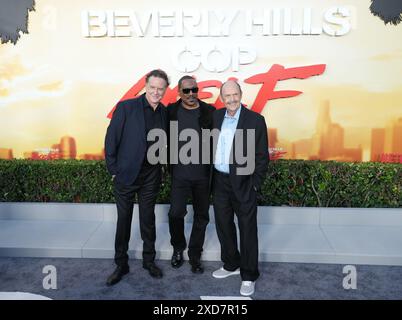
column 153, row 120
column 189, row 119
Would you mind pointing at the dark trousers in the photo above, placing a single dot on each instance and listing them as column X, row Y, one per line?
column 180, row 191
column 225, row 205
column 147, row 187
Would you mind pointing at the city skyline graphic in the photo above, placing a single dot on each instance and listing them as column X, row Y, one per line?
column 327, row 143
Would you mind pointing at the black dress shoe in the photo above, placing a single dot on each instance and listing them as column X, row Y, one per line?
column 196, row 267
column 117, row 274
column 153, row 270
column 177, row 259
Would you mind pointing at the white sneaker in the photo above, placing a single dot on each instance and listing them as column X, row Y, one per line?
column 222, row 273
column 247, row 288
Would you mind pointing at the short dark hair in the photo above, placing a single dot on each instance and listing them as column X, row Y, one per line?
column 238, row 85
column 184, row 78
column 157, row 73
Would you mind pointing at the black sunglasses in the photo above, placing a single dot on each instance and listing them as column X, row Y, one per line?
column 187, row 90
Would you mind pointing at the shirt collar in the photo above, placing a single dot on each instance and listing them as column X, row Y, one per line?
column 236, row 115
column 146, row 104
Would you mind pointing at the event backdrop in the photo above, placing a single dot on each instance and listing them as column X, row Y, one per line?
column 326, row 74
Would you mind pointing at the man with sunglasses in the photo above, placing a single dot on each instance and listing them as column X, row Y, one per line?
column 189, row 179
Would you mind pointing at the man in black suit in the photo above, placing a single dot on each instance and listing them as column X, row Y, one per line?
column 189, row 178
column 236, row 183
column 126, row 147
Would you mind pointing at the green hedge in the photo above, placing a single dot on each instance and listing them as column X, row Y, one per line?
column 288, row 183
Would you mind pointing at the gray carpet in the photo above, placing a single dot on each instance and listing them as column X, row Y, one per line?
column 85, row 279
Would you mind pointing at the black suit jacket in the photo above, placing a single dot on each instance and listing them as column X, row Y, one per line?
column 243, row 185
column 125, row 141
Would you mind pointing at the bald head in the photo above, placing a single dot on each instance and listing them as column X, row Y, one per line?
column 231, row 96
column 230, row 82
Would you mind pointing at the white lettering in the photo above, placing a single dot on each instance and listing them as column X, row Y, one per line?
column 335, row 21
column 335, row 16
column 50, row 280
column 214, row 58
column 350, row 280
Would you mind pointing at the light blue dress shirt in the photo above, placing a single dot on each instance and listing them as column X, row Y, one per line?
column 225, row 141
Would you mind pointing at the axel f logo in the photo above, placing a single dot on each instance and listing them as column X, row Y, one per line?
column 267, row 81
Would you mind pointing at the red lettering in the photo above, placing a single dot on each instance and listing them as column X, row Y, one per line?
column 131, row 93
column 268, row 80
column 275, row 74
column 206, row 95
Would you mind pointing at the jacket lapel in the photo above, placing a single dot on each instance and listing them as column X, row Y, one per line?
column 219, row 118
column 140, row 116
column 243, row 116
column 240, row 125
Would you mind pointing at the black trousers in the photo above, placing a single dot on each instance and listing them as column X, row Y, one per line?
column 180, row 191
column 225, row 206
column 147, row 187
